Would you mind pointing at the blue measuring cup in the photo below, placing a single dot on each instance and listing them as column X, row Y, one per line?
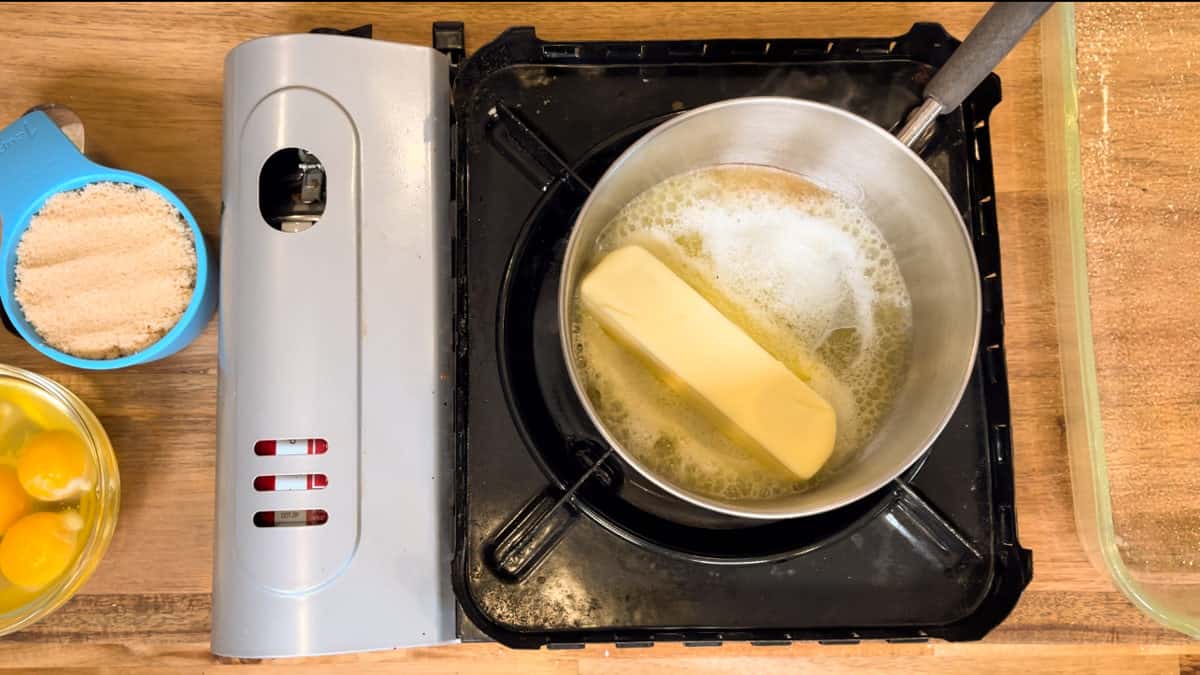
column 38, row 161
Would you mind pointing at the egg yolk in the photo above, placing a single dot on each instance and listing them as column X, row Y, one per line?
column 39, row 547
column 54, row 465
column 14, row 503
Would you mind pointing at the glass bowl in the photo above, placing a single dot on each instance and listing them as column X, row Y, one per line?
column 107, row 489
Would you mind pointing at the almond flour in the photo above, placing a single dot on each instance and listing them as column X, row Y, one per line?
column 105, row 271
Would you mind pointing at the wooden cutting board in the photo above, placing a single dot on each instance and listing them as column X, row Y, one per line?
column 147, row 82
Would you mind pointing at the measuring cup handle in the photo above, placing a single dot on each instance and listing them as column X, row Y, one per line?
column 35, row 157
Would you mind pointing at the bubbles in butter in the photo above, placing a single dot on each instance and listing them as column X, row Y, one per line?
column 805, row 273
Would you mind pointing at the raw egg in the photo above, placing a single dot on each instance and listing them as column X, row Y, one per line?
column 54, row 465
column 39, row 547
column 14, row 503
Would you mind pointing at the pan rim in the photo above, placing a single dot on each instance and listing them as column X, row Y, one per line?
column 747, row 510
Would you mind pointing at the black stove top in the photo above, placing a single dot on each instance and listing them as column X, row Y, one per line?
column 557, row 543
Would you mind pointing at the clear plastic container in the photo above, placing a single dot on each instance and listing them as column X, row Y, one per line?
column 1129, row 376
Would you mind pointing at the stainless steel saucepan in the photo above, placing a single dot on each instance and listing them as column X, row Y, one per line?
column 897, row 190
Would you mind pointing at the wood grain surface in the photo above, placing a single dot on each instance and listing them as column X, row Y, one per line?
column 146, row 79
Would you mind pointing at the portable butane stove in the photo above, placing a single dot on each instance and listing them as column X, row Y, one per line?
column 396, row 419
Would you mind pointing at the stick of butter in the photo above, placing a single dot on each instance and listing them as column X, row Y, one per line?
column 648, row 308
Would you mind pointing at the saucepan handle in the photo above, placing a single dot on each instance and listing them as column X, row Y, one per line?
column 989, row 42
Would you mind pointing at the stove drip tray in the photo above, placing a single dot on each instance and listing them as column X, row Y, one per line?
column 557, row 541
